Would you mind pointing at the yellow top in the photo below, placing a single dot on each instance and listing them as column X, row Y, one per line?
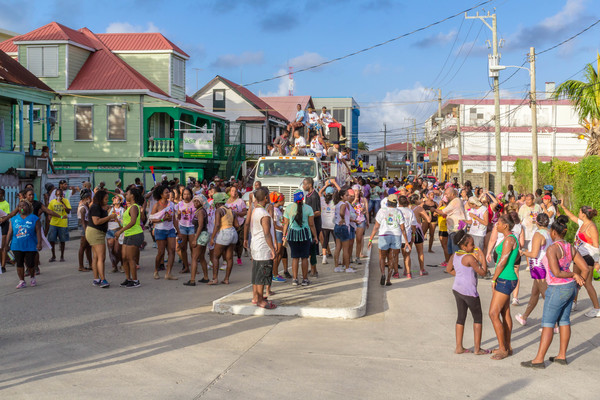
column 59, row 208
column 442, row 222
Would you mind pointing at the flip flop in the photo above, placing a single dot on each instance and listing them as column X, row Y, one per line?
column 269, row 306
column 482, row 352
column 213, row 282
column 465, row 351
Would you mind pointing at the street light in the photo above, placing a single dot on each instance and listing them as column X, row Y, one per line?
column 534, row 139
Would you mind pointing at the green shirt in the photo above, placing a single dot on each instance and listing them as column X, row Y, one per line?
column 4, row 206
column 297, row 232
column 508, row 272
column 136, row 228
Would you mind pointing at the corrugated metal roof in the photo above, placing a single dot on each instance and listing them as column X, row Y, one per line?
column 55, row 31
column 13, row 73
column 286, row 105
column 251, row 119
column 190, row 100
column 402, row 146
column 105, row 71
column 8, row 46
column 254, row 99
column 138, row 41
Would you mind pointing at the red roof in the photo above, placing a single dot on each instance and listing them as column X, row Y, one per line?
column 252, row 98
column 8, row 46
column 105, row 71
column 13, row 73
column 286, row 105
column 251, row 119
column 138, row 41
column 190, row 100
column 399, row 147
column 55, row 31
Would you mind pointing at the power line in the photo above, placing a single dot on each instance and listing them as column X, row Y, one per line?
column 373, row 46
column 569, row 39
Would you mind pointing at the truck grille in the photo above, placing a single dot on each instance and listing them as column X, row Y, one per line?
column 287, row 191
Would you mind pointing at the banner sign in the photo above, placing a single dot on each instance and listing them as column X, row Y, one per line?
column 197, row 145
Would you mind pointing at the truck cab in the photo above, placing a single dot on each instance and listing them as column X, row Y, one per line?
column 284, row 174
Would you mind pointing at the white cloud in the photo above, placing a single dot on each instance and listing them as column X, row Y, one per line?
column 126, row 27
column 438, row 39
column 282, row 87
column 306, row 60
column 393, row 110
column 372, row 69
column 570, row 13
column 237, row 60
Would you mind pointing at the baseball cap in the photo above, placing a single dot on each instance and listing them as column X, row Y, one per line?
column 329, row 190
column 392, row 198
column 547, row 197
column 392, row 191
column 548, row 187
column 220, row 197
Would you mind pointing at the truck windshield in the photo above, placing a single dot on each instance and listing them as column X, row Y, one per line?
column 289, row 168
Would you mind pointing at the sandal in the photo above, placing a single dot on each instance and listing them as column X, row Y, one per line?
column 189, row 283
column 423, row 273
column 499, row 356
column 482, row 352
column 408, row 276
column 213, row 282
column 531, row 364
column 171, row 278
column 269, row 306
column 203, row 280
column 156, row 276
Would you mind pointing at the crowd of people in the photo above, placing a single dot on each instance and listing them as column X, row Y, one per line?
column 482, row 234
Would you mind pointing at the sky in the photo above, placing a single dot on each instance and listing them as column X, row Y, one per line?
column 248, row 41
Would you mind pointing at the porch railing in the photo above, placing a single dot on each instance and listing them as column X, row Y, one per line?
column 161, row 146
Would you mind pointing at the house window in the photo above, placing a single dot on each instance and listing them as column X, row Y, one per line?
column 219, row 100
column 339, row 115
column 178, row 72
column 37, row 115
column 42, row 61
column 84, row 122
column 117, row 118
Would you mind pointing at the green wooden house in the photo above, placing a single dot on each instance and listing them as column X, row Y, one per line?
column 122, row 104
column 20, row 92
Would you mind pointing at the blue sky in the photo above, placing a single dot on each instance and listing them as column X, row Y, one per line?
column 251, row 40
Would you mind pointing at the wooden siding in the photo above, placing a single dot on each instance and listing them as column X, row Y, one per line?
column 56, row 83
column 5, row 108
column 154, row 67
column 77, row 57
column 235, row 105
column 177, row 92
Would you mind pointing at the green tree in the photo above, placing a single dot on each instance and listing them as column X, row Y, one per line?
column 363, row 146
column 586, row 99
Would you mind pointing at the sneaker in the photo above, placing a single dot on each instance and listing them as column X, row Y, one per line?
column 358, row 262
column 278, row 278
column 21, row 285
column 593, row 313
column 33, row 282
column 133, row 284
column 350, row 270
column 3, row 270
column 574, row 308
column 324, row 260
column 444, row 264
column 239, row 261
column 210, row 264
column 295, row 282
column 104, row 284
column 408, row 276
column 338, row 269
column 515, row 302
column 305, row 282
column 96, row 282
column 396, row 275
column 154, row 246
column 287, row 275
column 125, row 283
column 522, row 321
column 223, row 267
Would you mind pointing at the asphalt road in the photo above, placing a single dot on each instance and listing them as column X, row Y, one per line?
column 66, row 339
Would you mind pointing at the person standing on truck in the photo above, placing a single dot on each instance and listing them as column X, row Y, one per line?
column 298, row 121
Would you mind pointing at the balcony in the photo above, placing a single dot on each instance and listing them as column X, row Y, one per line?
column 159, row 147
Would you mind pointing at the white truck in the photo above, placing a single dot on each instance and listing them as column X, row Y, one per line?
column 284, row 174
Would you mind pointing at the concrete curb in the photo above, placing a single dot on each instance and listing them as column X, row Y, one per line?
column 310, row 312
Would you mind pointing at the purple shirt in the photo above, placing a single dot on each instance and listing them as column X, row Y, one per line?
column 465, row 281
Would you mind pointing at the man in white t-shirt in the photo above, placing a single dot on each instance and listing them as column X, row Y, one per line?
column 327, row 215
column 314, row 122
column 262, row 248
column 299, row 144
column 329, row 122
column 528, row 216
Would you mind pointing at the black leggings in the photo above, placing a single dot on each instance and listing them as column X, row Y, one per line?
column 25, row 258
column 467, row 302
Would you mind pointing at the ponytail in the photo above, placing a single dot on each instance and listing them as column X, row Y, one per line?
column 299, row 207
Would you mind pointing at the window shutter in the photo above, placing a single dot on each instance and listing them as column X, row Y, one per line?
column 50, row 60
column 34, row 60
column 178, row 72
column 116, row 122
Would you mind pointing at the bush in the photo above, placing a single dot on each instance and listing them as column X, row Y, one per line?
column 587, row 183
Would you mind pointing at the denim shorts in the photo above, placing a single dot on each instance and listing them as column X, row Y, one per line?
column 110, row 234
column 505, row 286
column 226, row 237
column 558, row 303
column 187, row 230
column 342, row 232
column 279, row 236
column 164, row 234
column 362, row 225
column 58, row 234
column 452, row 248
column 352, row 233
column 390, row 242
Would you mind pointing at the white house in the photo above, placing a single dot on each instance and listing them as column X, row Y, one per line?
column 238, row 104
column 557, row 126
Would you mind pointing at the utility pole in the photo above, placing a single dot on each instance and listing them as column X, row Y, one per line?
column 439, row 136
column 384, row 150
column 406, row 156
column 494, row 60
column 415, row 145
column 460, row 149
column 533, row 105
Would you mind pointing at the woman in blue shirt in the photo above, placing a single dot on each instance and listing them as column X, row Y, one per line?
column 25, row 239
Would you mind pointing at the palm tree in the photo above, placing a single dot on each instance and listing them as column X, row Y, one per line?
column 586, row 100
column 363, row 146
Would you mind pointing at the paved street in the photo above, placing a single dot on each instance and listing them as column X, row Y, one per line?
column 67, row 339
